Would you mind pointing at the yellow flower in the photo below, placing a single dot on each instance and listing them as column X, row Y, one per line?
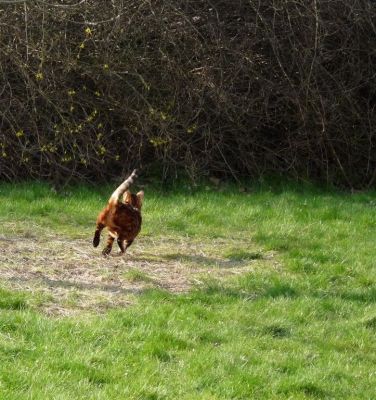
column 82, row 45
column 88, row 31
column 39, row 76
column 20, row 133
column 71, row 92
column 163, row 116
column 106, row 66
column 92, row 116
column 192, row 128
column 156, row 142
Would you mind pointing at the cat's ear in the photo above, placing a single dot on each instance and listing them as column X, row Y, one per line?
column 127, row 197
column 140, row 196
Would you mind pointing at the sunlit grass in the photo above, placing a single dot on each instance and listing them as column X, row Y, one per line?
column 302, row 328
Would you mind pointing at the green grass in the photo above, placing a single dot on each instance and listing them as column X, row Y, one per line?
column 135, row 275
column 304, row 328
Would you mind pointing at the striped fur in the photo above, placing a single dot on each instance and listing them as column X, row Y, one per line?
column 121, row 216
column 114, row 199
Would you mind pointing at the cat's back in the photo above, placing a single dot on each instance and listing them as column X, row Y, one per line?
column 128, row 218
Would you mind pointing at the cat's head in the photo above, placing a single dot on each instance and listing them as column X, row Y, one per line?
column 134, row 200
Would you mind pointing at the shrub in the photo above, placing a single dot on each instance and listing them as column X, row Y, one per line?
column 231, row 89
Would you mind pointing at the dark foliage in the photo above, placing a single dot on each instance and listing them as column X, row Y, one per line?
column 91, row 89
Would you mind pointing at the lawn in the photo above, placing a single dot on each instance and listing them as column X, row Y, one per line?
column 267, row 293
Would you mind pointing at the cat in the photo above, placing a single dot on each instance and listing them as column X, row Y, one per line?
column 122, row 217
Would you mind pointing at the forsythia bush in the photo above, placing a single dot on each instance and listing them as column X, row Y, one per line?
column 91, row 89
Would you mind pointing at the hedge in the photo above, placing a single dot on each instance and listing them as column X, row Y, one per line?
column 230, row 89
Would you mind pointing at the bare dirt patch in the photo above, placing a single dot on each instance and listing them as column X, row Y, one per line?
column 70, row 275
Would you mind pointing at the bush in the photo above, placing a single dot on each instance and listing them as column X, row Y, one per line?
column 230, row 89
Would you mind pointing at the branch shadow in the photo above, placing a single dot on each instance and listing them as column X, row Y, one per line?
column 67, row 284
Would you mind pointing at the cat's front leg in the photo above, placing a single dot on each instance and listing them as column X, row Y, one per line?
column 97, row 234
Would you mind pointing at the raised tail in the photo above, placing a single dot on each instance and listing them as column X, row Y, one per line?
column 114, row 199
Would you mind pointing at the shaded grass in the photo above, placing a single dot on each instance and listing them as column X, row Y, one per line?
column 237, row 254
column 304, row 329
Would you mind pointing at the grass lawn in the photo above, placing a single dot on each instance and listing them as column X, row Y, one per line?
column 267, row 294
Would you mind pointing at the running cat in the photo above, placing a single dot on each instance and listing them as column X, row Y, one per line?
column 121, row 216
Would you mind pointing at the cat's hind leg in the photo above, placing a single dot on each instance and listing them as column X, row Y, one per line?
column 128, row 243
column 120, row 243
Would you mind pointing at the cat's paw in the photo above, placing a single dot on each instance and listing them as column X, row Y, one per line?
column 106, row 251
column 96, row 240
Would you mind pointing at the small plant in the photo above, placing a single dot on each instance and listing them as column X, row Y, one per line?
column 136, row 275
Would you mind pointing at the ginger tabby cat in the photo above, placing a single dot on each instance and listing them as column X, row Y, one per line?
column 121, row 217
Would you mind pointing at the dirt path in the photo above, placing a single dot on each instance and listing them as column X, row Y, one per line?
column 70, row 275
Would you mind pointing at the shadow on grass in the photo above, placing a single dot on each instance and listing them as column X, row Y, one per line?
column 249, row 290
column 231, row 262
column 371, row 323
column 277, row 331
column 266, row 290
column 66, row 284
column 368, row 295
column 307, row 389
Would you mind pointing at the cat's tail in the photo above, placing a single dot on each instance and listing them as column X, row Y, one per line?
column 114, row 199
